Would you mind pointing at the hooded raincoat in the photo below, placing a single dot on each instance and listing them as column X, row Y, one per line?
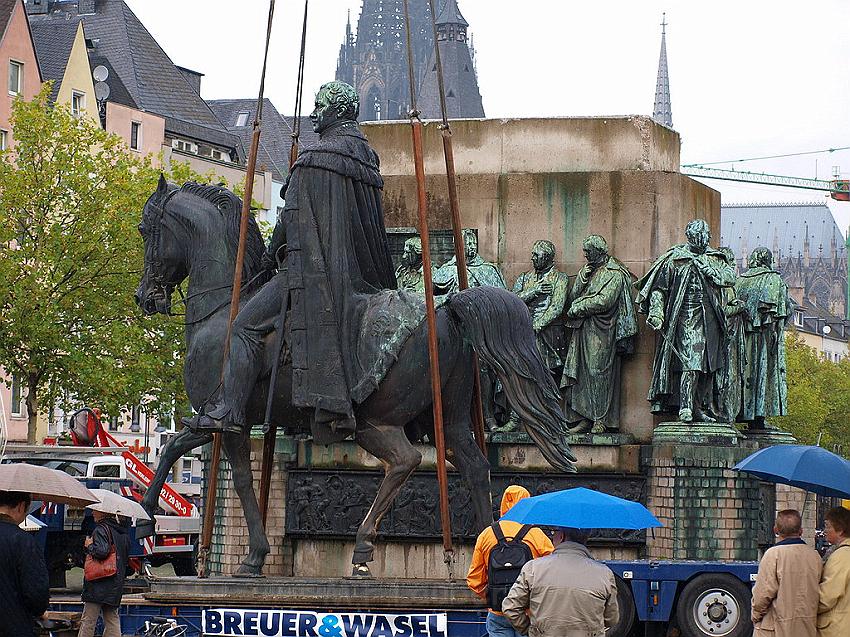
column 536, row 540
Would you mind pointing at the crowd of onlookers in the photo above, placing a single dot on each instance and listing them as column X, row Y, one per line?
column 555, row 587
column 796, row 593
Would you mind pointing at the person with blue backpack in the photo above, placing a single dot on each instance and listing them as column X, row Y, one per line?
column 500, row 552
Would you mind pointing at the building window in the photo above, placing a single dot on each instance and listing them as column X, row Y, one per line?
column 798, row 319
column 16, row 77
column 4, row 139
column 78, row 103
column 242, row 118
column 15, row 408
column 135, row 130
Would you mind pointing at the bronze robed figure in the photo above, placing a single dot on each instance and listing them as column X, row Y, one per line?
column 480, row 272
column 602, row 317
column 683, row 300
column 544, row 290
column 410, row 275
column 766, row 309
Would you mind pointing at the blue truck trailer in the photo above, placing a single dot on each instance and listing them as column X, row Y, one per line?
column 701, row 599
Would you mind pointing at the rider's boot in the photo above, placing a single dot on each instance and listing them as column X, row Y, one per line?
column 217, row 419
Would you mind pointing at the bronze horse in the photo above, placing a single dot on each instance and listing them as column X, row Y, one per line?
column 192, row 232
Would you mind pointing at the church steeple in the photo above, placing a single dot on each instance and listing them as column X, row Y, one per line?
column 662, row 112
column 463, row 98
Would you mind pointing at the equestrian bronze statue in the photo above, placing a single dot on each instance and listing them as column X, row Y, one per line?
column 340, row 285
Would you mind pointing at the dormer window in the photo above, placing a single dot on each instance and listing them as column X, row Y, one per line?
column 798, row 319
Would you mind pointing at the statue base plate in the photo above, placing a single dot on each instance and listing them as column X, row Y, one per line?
column 340, row 593
column 770, row 435
column 613, row 438
column 720, row 434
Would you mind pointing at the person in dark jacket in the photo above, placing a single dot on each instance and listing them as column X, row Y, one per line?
column 103, row 596
column 24, row 585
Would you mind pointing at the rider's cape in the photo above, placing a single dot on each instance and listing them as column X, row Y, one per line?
column 347, row 320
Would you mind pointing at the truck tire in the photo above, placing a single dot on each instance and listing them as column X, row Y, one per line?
column 714, row 605
column 626, row 603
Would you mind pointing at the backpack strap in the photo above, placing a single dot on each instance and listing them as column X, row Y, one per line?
column 497, row 531
column 521, row 534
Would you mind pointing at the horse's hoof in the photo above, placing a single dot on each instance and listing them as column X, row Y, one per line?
column 361, row 570
column 249, row 571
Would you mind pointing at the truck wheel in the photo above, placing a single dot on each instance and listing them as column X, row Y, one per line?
column 714, row 605
column 626, row 603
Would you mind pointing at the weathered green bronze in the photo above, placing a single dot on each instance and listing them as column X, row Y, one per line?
column 766, row 309
column 410, row 275
column 544, row 290
column 481, row 272
column 682, row 295
column 603, row 321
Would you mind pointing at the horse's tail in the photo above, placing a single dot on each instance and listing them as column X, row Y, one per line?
column 497, row 324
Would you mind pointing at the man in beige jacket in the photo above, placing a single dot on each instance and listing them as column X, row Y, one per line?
column 834, row 605
column 565, row 594
column 785, row 597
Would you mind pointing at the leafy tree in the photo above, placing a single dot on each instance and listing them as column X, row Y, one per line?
column 70, row 258
column 818, row 397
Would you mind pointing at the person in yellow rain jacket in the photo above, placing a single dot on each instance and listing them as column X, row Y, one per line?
column 477, row 577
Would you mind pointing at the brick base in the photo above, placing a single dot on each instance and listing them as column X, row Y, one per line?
column 709, row 511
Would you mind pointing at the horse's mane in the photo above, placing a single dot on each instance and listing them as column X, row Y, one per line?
column 231, row 207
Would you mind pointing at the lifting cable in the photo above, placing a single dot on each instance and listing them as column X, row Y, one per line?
column 433, row 353
column 250, row 169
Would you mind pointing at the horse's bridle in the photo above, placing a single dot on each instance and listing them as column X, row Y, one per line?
column 155, row 274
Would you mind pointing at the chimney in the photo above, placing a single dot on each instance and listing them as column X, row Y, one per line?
column 193, row 77
column 38, row 7
column 86, row 7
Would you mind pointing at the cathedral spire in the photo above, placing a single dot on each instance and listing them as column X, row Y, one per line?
column 662, row 111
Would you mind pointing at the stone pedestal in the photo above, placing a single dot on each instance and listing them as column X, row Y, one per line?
column 709, row 511
column 697, row 433
column 769, row 435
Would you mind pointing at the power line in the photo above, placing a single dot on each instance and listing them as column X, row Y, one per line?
column 732, row 161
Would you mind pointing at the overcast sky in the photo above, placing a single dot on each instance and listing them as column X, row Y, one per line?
column 747, row 78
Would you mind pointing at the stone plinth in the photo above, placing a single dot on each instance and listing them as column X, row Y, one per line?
column 558, row 179
column 709, row 511
column 340, row 593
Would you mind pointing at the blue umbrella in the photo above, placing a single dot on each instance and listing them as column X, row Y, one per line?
column 582, row 508
column 810, row 468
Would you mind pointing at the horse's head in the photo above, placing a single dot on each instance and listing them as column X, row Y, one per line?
column 164, row 266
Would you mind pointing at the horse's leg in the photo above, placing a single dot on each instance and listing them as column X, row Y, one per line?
column 183, row 442
column 389, row 444
column 462, row 450
column 238, row 450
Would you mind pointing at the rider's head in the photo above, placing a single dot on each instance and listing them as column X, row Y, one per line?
column 335, row 101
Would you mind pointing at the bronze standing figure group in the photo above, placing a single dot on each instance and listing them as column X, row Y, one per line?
column 720, row 352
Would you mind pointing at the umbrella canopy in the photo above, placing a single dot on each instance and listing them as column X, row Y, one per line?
column 111, row 502
column 44, row 484
column 806, row 467
column 582, row 508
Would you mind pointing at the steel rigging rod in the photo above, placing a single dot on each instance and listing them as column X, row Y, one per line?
column 433, row 353
column 270, row 427
column 212, row 482
column 457, row 231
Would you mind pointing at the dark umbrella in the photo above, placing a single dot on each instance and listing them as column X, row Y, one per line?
column 810, row 468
